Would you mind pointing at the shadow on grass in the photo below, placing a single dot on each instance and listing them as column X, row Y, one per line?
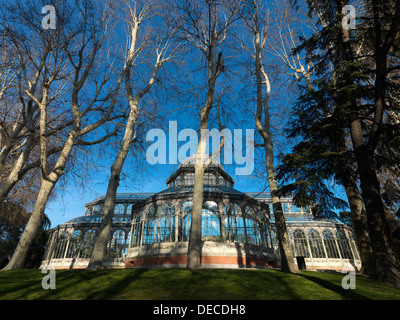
column 273, row 285
column 345, row 294
column 19, row 284
column 23, row 290
column 171, row 284
column 239, row 284
column 119, row 286
column 66, row 280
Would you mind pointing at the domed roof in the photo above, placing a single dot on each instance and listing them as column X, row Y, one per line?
column 188, row 164
column 192, row 160
column 210, row 193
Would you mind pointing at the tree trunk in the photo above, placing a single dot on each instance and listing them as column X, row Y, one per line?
column 353, row 194
column 358, row 216
column 195, row 243
column 103, row 236
column 16, row 172
column 100, row 246
column 47, row 185
column 387, row 263
column 287, row 258
column 18, row 259
column 357, row 209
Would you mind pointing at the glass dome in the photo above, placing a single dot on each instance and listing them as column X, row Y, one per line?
column 214, row 175
column 238, row 230
column 231, row 223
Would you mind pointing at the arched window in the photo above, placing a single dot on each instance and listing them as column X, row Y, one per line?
column 211, row 206
column 136, row 238
column 119, row 209
column 274, row 241
column 185, row 221
column 249, row 212
column 116, row 244
column 178, row 181
column 87, row 244
column 210, row 223
column 61, row 245
column 343, row 244
column 96, row 209
column 330, row 245
column 317, row 248
column 148, row 226
column 129, row 209
column 74, row 245
column 210, row 179
column 234, row 225
column 252, row 231
column 126, row 244
column 353, row 245
column 189, row 179
column 165, row 223
column 266, row 235
column 300, row 246
column 252, row 226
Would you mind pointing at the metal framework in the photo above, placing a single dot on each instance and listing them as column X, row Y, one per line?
column 142, row 220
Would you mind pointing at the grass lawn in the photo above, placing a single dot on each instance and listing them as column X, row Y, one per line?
column 182, row 284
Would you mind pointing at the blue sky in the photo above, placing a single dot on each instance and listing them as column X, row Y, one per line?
column 70, row 202
column 71, row 198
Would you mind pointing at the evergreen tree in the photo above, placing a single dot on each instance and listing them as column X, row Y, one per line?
column 353, row 78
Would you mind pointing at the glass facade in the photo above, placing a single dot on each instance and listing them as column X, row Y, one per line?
column 332, row 244
column 171, row 225
column 228, row 216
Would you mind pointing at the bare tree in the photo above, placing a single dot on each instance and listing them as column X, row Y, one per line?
column 82, row 42
column 258, row 27
column 204, row 25
column 137, row 13
column 288, row 25
column 29, row 59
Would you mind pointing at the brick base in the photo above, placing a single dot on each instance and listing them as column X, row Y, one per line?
column 221, row 261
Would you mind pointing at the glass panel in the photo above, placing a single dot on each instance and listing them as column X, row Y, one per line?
column 87, row 244
column 119, row 209
column 210, row 179
column 252, row 232
column 189, row 179
column 117, row 241
column 300, row 246
column 330, row 245
column 62, row 242
column 185, row 221
column 234, row 227
column 96, row 209
column 129, row 209
column 74, row 244
column 210, row 224
column 165, row 223
column 317, row 249
column 343, row 244
column 148, row 231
